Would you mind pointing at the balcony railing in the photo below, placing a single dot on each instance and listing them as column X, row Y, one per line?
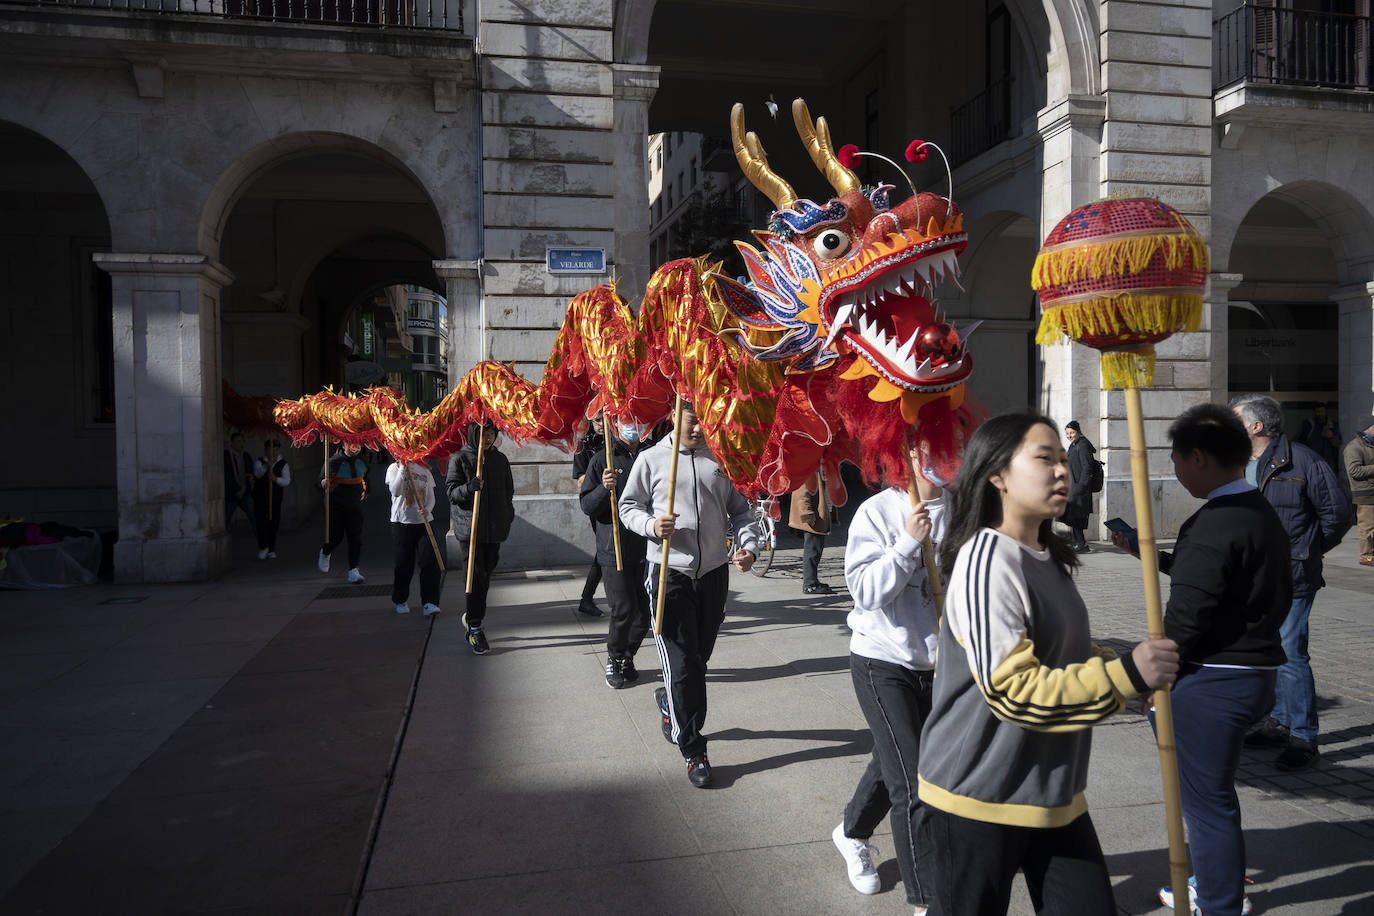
column 414, row 14
column 1296, row 47
column 980, row 123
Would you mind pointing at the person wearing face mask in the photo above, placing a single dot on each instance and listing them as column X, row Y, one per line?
column 593, row 443
column 629, row 621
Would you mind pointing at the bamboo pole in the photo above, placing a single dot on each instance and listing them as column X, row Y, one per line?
column 1154, row 613
column 325, row 474
column 424, row 517
column 672, row 491
column 615, row 519
column 937, row 588
column 476, row 505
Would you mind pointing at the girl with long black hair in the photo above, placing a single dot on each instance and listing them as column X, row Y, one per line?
column 1018, row 684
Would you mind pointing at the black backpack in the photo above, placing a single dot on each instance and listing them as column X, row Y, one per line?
column 1095, row 476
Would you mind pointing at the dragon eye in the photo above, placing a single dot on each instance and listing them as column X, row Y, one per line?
column 830, row 244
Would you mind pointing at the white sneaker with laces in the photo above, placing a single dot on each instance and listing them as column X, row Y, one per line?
column 262, row 554
column 324, row 561
column 402, row 609
column 858, row 858
column 431, row 609
column 355, row 577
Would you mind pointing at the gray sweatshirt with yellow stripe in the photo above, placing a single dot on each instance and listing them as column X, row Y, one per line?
column 1018, row 684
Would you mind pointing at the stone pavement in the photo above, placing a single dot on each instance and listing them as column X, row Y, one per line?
column 275, row 742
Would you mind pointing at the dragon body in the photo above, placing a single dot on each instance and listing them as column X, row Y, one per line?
column 831, row 350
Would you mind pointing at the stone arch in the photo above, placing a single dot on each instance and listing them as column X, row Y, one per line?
column 1345, row 220
column 235, row 180
column 632, row 21
column 1063, row 32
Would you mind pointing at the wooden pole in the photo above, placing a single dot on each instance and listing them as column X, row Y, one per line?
column 424, row 517
column 615, row 519
column 667, row 542
column 1154, row 613
column 476, row 506
column 325, row 474
column 937, row 588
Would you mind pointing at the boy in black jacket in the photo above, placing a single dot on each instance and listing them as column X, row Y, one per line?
column 1230, row 587
column 624, row 586
column 494, row 516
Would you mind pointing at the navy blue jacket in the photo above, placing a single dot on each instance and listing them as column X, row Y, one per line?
column 1314, row 510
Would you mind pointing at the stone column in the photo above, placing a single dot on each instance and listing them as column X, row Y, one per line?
column 1218, row 330
column 168, row 416
column 634, row 89
column 463, row 290
column 1356, row 305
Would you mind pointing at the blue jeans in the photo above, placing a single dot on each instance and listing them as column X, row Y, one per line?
column 1213, row 708
column 1295, row 694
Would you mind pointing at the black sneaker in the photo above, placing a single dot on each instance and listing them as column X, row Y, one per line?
column 588, row 608
column 615, row 676
column 819, row 588
column 475, row 637
column 1298, row 755
column 661, row 697
column 1270, row 733
column 699, row 771
column 628, row 669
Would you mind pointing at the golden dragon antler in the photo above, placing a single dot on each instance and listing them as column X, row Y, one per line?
column 754, row 162
column 816, row 139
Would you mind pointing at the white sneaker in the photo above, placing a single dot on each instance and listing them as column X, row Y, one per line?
column 324, row 561
column 1166, row 897
column 858, row 857
column 431, row 609
column 355, row 577
column 262, row 554
column 271, row 554
column 402, row 609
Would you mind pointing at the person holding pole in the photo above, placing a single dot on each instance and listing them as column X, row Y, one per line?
column 593, row 442
column 1018, row 684
column 345, row 486
column 1230, row 589
column 412, row 508
column 271, row 474
column 481, row 492
column 685, row 516
column 894, row 629
column 624, row 582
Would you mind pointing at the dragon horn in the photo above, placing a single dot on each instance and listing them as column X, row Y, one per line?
column 754, row 162
column 816, row 139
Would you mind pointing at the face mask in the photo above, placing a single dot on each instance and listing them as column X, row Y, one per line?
column 629, row 433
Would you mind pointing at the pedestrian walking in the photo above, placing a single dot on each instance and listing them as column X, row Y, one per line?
column 625, row 589
column 1081, row 467
column 892, row 652
column 411, row 486
column 809, row 513
column 345, row 486
column 1230, row 589
column 707, row 506
column 1316, row 514
column 1018, row 685
column 592, row 444
column 271, row 476
column 1359, row 468
column 480, row 542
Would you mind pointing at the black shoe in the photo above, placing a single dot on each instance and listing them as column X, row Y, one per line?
column 820, row 588
column 1298, row 755
column 661, row 697
column 628, row 670
column 475, row 637
column 1270, row 733
column 615, row 673
column 699, row 771
column 1082, row 548
column 588, row 607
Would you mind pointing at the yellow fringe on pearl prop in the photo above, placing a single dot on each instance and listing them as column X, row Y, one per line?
column 1144, row 314
column 1122, row 256
column 1128, row 368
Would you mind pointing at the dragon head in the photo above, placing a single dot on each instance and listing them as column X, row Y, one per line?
column 853, row 276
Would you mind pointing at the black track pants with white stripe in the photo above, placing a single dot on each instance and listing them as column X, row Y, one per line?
column 693, row 611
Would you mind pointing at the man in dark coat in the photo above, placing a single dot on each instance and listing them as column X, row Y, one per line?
column 495, row 513
column 1080, row 505
column 238, row 482
column 1315, row 512
column 1322, row 434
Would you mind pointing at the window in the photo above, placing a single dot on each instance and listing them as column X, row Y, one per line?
column 668, row 144
column 658, row 209
column 681, row 187
column 670, row 199
column 658, row 158
column 742, row 206
column 693, row 172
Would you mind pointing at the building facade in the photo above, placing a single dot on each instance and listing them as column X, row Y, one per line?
column 210, row 193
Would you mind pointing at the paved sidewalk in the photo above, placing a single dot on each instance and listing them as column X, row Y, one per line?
column 259, row 745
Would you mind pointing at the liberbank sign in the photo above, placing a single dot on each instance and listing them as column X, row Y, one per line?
column 575, row 260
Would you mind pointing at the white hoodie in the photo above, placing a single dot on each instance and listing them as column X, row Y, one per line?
column 894, row 618
column 403, row 507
